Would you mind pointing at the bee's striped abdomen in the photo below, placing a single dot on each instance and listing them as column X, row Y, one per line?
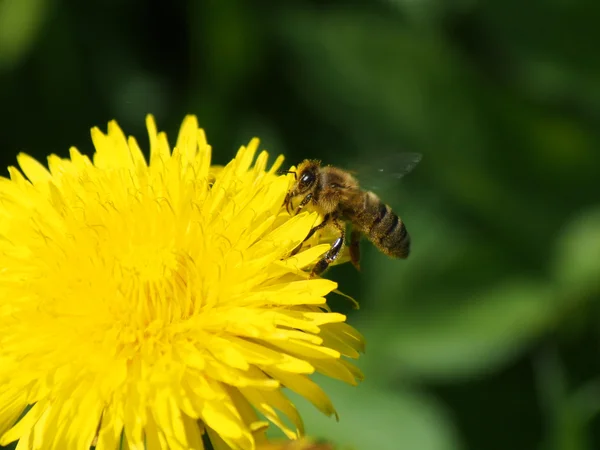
column 385, row 230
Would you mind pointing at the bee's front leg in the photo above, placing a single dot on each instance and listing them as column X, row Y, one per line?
column 288, row 203
column 304, row 202
column 332, row 254
column 312, row 231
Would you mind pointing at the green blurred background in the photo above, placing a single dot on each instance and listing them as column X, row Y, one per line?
column 487, row 336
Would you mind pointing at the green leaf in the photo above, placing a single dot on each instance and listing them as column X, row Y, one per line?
column 568, row 414
column 577, row 262
column 372, row 417
column 464, row 338
column 20, row 23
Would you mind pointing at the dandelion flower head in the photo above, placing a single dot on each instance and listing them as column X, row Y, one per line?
column 147, row 304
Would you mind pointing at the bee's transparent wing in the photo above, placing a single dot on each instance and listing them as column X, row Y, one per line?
column 383, row 172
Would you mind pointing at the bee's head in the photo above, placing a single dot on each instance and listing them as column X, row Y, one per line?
column 306, row 177
column 306, row 180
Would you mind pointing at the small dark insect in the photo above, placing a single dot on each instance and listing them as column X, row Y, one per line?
column 336, row 195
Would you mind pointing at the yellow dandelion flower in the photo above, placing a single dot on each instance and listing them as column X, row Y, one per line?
column 146, row 304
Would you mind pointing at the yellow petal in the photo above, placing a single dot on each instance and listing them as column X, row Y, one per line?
column 308, row 389
column 33, row 170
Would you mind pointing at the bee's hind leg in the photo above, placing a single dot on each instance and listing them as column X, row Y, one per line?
column 332, row 254
column 355, row 248
column 323, row 223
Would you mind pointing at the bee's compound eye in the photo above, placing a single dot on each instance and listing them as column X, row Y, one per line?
column 307, row 178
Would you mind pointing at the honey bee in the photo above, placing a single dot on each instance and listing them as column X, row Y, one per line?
column 336, row 195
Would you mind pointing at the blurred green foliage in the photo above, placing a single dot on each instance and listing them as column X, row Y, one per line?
column 487, row 337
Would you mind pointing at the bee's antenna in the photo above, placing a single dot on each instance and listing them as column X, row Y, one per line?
column 285, row 172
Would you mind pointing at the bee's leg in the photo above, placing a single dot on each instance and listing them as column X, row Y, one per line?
column 332, row 254
column 305, row 201
column 355, row 248
column 289, row 202
column 325, row 221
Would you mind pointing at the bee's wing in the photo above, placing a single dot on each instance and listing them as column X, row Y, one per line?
column 384, row 172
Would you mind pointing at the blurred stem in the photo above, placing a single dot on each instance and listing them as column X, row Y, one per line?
column 566, row 415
